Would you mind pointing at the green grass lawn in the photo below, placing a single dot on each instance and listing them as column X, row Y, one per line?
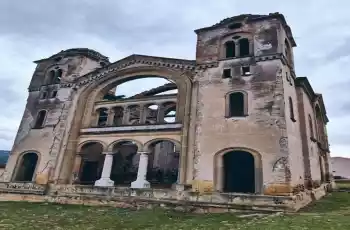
column 332, row 212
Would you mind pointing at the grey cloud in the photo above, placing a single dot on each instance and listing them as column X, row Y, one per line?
column 342, row 50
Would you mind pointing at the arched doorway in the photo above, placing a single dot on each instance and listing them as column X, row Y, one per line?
column 239, row 172
column 27, row 167
column 92, row 163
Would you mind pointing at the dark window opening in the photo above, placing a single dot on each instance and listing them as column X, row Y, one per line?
column 236, row 104
column 243, row 47
column 102, row 117
column 43, row 95
column 226, row 73
column 58, row 76
column 246, row 70
column 291, row 109
column 51, row 77
column 39, row 123
column 102, row 64
column 235, row 26
column 311, row 127
column 239, row 172
column 230, row 49
column 54, row 94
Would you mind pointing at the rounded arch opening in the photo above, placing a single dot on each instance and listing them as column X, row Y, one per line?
column 92, row 162
column 27, row 166
column 125, row 162
column 238, row 170
column 163, row 163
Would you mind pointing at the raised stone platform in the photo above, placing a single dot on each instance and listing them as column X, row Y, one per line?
column 165, row 198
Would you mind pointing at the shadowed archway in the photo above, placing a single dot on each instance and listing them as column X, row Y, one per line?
column 239, row 172
column 27, row 167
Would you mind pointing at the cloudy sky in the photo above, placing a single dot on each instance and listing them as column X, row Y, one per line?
column 31, row 30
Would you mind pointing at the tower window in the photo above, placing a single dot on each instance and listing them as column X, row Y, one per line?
column 311, row 127
column 54, row 94
column 226, row 73
column 39, row 123
column 243, row 47
column 291, row 109
column 236, row 104
column 246, row 71
column 43, row 95
column 230, row 49
column 54, row 77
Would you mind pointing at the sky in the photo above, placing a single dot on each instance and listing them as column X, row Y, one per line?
column 36, row 29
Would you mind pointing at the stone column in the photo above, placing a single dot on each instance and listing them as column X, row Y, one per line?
column 143, row 114
column 110, row 117
column 141, row 181
column 160, row 114
column 126, row 115
column 76, row 169
column 105, row 180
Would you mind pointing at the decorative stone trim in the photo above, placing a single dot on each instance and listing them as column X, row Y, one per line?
column 22, row 187
column 131, row 128
column 134, row 59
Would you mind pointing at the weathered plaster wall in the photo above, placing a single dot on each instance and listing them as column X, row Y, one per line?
column 293, row 130
column 265, row 41
column 214, row 132
column 312, row 145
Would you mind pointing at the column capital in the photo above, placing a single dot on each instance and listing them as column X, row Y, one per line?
column 108, row 153
column 144, row 152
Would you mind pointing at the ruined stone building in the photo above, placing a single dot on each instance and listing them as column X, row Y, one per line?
column 237, row 120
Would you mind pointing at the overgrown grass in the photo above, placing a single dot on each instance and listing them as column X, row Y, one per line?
column 332, row 212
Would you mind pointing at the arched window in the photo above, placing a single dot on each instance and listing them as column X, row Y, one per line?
column 291, row 109
column 54, row 94
column 39, row 123
column 54, row 77
column 26, row 167
column 236, row 105
column 287, row 51
column 51, row 77
column 311, row 127
column 102, row 117
column 243, row 47
column 58, row 76
column 230, row 49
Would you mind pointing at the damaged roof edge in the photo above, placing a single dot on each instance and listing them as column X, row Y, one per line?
column 251, row 18
column 304, row 83
column 77, row 51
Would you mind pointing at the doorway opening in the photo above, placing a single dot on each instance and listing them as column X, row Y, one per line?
column 239, row 172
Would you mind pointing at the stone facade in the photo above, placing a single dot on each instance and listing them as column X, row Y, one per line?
column 240, row 96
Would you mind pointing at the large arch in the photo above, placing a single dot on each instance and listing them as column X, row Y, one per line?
column 26, row 166
column 87, row 95
column 219, row 169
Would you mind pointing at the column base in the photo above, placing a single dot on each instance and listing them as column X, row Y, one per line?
column 104, row 182
column 140, row 184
